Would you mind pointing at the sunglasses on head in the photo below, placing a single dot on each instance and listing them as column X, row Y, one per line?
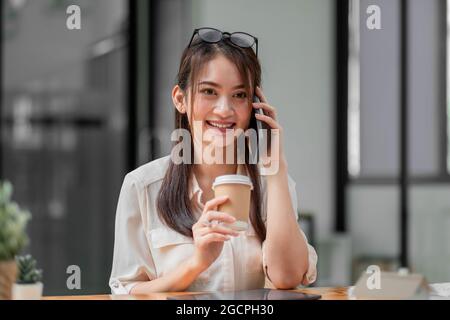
column 240, row 39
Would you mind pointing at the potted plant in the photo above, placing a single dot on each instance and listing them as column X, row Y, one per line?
column 28, row 285
column 13, row 238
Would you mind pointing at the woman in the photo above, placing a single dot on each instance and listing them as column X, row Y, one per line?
column 165, row 239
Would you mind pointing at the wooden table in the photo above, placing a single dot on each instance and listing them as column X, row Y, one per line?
column 338, row 293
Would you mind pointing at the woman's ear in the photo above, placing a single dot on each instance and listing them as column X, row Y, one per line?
column 178, row 98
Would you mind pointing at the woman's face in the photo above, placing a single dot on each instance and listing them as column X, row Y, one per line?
column 220, row 102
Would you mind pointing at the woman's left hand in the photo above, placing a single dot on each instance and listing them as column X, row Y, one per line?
column 270, row 118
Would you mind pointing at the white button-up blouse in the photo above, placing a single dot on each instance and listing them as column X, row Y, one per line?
column 145, row 248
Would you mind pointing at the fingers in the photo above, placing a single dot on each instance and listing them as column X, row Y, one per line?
column 214, row 237
column 269, row 110
column 213, row 203
column 205, row 235
column 219, row 216
column 209, row 216
column 270, row 121
column 217, row 229
column 261, row 95
column 203, row 227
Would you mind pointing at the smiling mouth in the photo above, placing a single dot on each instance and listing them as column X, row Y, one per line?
column 220, row 126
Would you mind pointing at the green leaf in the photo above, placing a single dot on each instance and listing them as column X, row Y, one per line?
column 27, row 272
column 13, row 221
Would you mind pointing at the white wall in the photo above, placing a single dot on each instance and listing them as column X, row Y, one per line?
column 430, row 231
column 374, row 225
column 374, row 220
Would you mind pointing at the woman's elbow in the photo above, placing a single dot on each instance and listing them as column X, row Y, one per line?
column 288, row 277
column 287, row 280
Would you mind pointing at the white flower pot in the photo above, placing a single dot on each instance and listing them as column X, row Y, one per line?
column 31, row 291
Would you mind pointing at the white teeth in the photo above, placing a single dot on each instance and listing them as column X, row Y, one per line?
column 222, row 126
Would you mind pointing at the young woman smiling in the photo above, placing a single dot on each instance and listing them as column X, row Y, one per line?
column 164, row 238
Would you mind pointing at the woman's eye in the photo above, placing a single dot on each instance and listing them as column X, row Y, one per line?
column 208, row 91
column 241, row 95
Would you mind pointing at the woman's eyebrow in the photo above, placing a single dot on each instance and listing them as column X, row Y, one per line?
column 213, row 84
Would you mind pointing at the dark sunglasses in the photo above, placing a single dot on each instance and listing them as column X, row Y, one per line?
column 240, row 39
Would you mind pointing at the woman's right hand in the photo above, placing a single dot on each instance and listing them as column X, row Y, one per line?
column 209, row 234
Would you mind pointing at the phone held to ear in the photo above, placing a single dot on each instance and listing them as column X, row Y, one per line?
column 262, row 128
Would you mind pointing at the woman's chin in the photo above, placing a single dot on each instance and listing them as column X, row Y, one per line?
column 219, row 138
column 221, row 142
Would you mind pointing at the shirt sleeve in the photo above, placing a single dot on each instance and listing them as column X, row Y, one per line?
column 311, row 274
column 132, row 260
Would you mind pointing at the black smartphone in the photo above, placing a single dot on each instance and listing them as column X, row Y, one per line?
column 262, row 128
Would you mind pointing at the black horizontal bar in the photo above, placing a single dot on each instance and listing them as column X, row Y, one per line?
column 392, row 180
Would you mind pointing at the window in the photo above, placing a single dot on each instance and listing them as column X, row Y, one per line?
column 64, row 120
column 374, row 94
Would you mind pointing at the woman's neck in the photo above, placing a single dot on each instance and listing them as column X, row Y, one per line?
column 207, row 172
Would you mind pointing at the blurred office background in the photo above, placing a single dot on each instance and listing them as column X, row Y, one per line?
column 365, row 112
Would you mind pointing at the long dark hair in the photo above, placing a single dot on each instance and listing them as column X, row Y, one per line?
column 173, row 203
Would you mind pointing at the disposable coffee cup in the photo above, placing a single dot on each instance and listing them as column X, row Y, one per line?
column 238, row 189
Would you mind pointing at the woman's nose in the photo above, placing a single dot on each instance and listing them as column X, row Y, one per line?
column 223, row 107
